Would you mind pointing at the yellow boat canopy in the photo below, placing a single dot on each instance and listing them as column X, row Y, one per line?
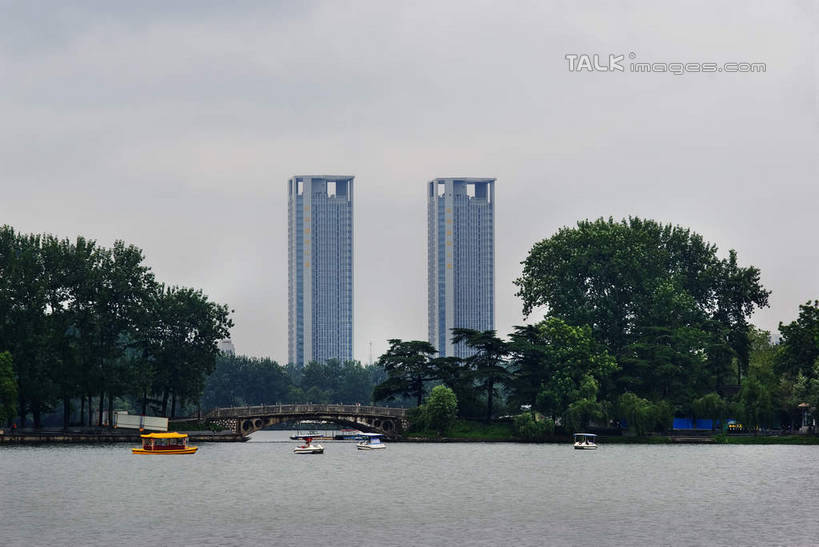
column 164, row 436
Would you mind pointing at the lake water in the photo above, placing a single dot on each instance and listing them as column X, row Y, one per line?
column 260, row 493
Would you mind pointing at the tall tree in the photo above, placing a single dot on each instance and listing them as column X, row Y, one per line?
column 80, row 322
column 531, row 363
column 755, row 404
column 441, row 409
column 487, row 363
column 711, row 406
column 559, row 369
column 800, row 342
column 182, row 341
column 25, row 328
column 638, row 412
column 8, row 389
column 122, row 313
column 651, row 293
column 409, row 366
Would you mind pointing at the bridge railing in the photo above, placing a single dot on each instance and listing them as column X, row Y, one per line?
column 272, row 410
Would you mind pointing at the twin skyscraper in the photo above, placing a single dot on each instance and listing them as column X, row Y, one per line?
column 460, row 264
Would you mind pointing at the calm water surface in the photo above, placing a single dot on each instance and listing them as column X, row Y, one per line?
column 260, row 493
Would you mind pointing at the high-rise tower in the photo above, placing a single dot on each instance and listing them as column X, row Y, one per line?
column 460, row 259
column 320, row 263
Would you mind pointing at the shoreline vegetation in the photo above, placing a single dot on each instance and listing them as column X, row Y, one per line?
column 462, row 431
column 647, row 330
column 473, row 431
column 105, row 437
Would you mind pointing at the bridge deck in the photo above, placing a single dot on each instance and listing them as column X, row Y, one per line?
column 307, row 409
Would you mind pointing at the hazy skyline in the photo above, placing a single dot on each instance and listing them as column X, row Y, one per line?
column 176, row 126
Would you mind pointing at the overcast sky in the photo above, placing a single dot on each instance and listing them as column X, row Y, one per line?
column 175, row 125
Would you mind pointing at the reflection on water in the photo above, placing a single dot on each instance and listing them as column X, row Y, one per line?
column 259, row 492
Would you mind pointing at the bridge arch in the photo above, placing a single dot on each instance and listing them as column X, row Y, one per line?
column 391, row 422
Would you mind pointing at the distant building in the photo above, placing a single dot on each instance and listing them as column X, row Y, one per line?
column 320, row 264
column 460, row 259
column 226, row 347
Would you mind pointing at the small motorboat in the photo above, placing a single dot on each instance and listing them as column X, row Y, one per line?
column 372, row 441
column 585, row 441
column 165, row 443
column 308, row 447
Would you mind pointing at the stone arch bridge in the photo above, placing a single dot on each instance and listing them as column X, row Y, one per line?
column 392, row 422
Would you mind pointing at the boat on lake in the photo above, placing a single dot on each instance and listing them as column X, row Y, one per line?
column 165, row 443
column 349, row 435
column 585, row 441
column 372, row 441
column 308, row 447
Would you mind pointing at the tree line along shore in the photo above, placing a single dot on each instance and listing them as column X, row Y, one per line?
column 641, row 322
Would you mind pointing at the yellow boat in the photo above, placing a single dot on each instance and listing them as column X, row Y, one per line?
column 165, row 443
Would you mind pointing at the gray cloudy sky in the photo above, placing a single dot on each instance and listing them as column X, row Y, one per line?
column 175, row 126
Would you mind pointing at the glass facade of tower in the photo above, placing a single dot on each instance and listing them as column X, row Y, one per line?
column 460, row 259
column 320, row 264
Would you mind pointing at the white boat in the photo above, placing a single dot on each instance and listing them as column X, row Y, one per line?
column 372, row 441
column 585, row 441
column 308, row 447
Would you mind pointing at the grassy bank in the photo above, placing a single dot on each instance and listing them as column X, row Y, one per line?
column 773, row 439
column 659, row 439
column 469, row 430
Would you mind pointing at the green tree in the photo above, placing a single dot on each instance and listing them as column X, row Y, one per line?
column 638, row 412
column 488, row 362
column 457, row 376
column 183, row 343
column 340, row 381
column 711, row 406
column 795, row 363
column 82, row 321
column 355, row 383
column 409, row 366
column 238, row 380
column 121, row 311
column 533, row 427
column 800, row 342
column 531, row 364
column 653, row 294
column 559, row 369
column 441, row 409
column 582, row 411
column 804, row 391
column 8, row 389
column 755, row 404
column 664, row 416
column 24, row 327
column 59, row 343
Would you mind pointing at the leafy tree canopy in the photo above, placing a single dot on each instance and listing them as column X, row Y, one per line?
column 487, row 365
column 440, row 409
column 409, row 366
column 8, row 389
column 800, row 342
column 559, row 367
column 83, row 320
column 656, row 296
